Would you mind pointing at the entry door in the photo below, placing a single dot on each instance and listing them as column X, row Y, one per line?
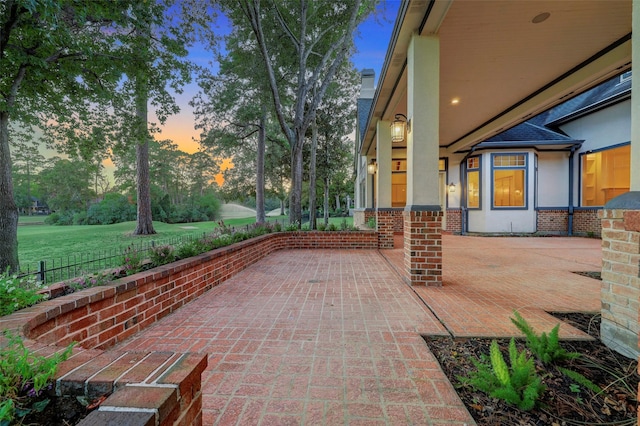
column 442, row 185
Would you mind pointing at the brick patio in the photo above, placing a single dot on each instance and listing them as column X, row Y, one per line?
column 333, row 337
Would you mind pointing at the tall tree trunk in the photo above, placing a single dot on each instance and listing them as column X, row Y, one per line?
column 29, row 187
column 8, row 208
column 260, row 214
column 326, row 200
column 295, row 199
column 144, row 224
column 312, row 175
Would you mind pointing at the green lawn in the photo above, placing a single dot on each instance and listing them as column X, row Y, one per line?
column 45, row 242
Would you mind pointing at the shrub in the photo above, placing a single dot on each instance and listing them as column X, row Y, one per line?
column 332, row 227
column 518, row 384
column 292, row 227
column 131, row 260
column 24, row 374
column 80, row 218
column 88, row 281
column 17, row 293
column 64, row 218
column 371, row 222
column 114, row 208
column 188, row 249
column 546, row 348
column 344, row 226
column 321, row 227
column 162, row 255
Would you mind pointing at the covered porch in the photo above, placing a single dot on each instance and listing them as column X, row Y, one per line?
column 457, row 73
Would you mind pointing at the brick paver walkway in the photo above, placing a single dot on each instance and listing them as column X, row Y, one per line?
column 486, row 278
column 333, row 337
column 313, row 337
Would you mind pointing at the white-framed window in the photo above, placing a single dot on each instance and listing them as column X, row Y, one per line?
column 605, row 174
column 509, row 180
column 473, row 183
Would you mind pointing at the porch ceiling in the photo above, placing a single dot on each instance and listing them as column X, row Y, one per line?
column 501, row 66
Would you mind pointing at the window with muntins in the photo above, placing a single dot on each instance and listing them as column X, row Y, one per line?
column 473, row 183
column 605, row 175
column 509, row 180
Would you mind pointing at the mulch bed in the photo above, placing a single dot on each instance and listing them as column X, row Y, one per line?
column 563, row 402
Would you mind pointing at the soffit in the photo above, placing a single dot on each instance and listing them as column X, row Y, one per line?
column 502, row 67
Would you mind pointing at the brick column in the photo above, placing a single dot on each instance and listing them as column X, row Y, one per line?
column 620, row 274
column 385, row 224
column 423, row 247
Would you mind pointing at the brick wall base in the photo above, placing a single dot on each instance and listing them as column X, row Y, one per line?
column 620, row 282
column 385, row 228
column 556, row 222
column 423, row 246
column 454, row 221
column 586, row 222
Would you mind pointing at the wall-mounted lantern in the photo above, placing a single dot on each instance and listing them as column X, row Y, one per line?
column 452, row 187
column 372, row 167
column 397, row 128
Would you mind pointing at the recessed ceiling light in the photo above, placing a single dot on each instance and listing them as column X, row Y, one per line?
column 455, row 101
column 541, row 17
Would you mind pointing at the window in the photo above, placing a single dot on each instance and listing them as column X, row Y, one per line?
column 509, row 180
column 605, row 175
column 473, row 183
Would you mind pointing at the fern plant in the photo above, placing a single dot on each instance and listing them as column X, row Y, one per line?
column 545, row 347
column 579, row 379
column 518, row 384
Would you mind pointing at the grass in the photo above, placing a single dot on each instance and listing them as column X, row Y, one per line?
column 31, row 219
column 43, row 242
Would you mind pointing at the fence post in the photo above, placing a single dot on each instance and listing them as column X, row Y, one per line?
column 42, row 276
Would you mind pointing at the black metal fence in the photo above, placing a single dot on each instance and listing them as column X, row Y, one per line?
column 68, row 267
column 64, row 268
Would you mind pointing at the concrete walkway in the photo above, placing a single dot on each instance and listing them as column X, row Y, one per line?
column 334, row 337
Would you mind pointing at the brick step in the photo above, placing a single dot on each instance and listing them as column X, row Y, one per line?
column 143, row 388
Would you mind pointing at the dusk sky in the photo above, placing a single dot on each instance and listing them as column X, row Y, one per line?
column 372, row 43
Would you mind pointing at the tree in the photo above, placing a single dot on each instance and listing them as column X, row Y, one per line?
column 335, row 118
column 26, row 162
column 232, row 110
column 56, row 59
column 318, row 35
column 66, row 185
column 154, row 50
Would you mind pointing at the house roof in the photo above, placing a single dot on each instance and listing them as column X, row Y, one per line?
column 530, row 135
column 542, row 130
column 610, row 92
column 502, row 60
column 363, row 108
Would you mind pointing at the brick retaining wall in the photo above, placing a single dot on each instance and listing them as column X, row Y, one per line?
column 100, row 317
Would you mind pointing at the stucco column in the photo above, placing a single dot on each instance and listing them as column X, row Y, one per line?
column 422, row 215
column 384, row 215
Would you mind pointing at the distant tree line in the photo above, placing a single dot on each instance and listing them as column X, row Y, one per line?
column 76, row 192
